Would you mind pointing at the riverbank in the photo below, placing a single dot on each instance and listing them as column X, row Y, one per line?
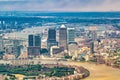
column 98, row 71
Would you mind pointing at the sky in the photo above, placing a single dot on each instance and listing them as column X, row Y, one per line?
column 60, row 5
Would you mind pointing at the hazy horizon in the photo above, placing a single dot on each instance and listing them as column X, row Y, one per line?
column 60, row 5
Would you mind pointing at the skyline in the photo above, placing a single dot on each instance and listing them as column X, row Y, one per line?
column 59, row 39
column 61, row 6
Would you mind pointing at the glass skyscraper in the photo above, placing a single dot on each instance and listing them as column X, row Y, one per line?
column 37, row 41
column 34, row 41
column 63, row 37
column 34, row 45
column 30, row 40
column 51, row 41
column 52, row 34
column 70, row 35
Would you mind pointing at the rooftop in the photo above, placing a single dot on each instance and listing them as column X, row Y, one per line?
column 62, row 26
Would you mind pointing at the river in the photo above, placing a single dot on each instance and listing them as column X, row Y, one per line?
column 98, row 71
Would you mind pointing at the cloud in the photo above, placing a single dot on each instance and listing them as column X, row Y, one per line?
column 60, row 5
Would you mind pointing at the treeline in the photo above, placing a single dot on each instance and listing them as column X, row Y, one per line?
column 35, row 70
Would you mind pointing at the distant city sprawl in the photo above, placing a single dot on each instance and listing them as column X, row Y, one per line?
column 59, row 46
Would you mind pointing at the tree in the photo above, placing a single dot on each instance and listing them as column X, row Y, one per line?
column 6, row 79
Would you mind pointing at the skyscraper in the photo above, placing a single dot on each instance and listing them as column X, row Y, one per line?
column 51, row 41
column 63, row 37
column 52, row 34
column 37, row 41
column 1, row 44
column 70, row 35
column 91, row 47
column 34, row 41
column 30, row 40
column 34, row 45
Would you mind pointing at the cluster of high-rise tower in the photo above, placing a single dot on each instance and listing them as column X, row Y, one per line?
column 66, row 36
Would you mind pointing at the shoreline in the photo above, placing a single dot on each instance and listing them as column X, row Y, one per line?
column 98, row 72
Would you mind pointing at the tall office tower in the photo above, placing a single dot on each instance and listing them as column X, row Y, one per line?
column 91, row 47
column 63, row 37
column 37, row 41
column 34, row 45
column 1, row 44
column 34, row 41
column 30, row 40
column 70, row 35
column 52, row 34
column 51, row 41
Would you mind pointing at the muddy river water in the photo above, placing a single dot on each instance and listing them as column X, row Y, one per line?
column 98, row 71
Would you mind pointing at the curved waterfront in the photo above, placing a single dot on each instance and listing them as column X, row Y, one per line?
column 98, row 71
